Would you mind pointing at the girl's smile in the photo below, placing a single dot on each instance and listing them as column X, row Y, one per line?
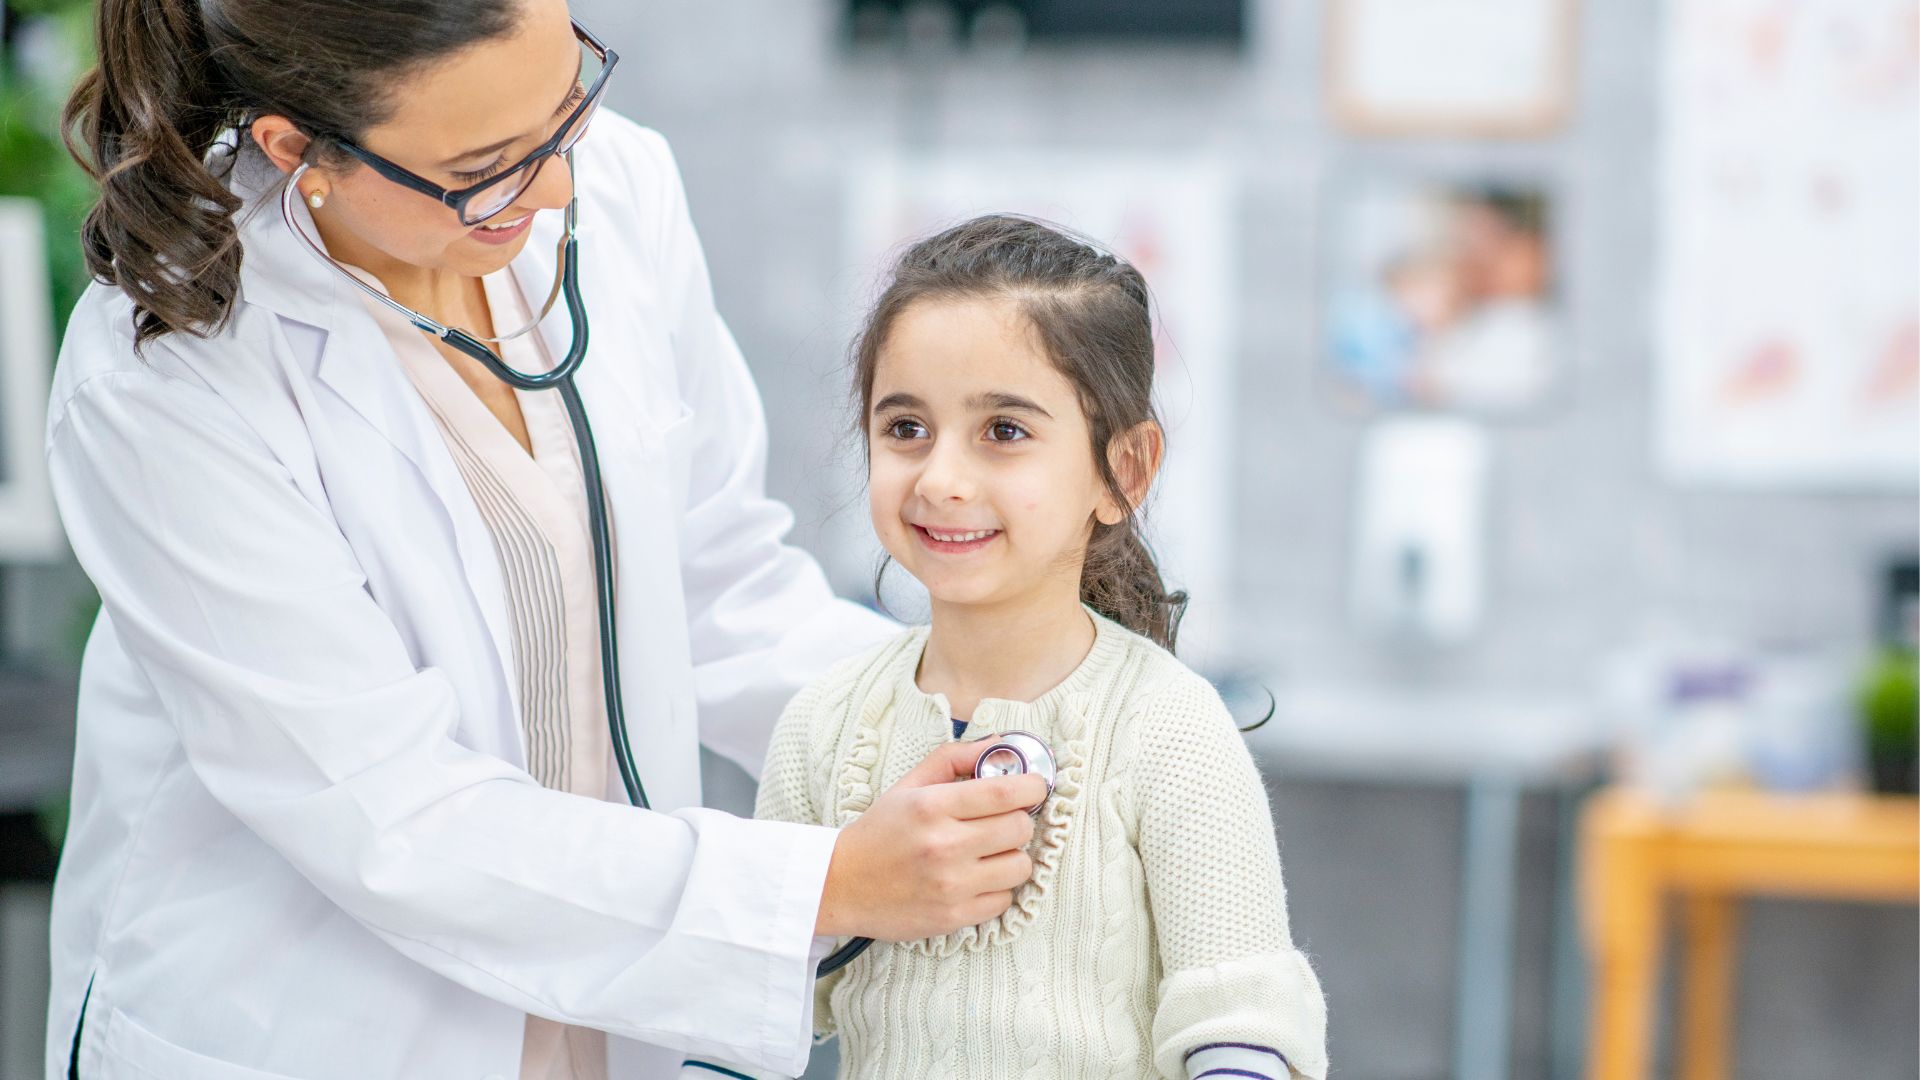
column 946, row 542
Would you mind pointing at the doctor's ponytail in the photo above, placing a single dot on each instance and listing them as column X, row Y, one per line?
column 1092, row 313
column 154, row 123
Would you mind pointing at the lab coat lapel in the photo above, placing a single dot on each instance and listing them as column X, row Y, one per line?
column 357, row 363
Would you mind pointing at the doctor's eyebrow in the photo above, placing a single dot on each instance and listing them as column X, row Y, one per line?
column 494, row 148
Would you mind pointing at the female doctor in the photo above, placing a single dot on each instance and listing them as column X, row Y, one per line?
column 342, row 800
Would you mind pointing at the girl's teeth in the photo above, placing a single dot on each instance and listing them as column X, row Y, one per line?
column 960, row 538
column 514, row 224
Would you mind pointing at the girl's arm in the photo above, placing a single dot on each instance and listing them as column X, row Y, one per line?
column 1236, row 998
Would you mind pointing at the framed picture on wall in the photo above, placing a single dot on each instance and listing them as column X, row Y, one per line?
column 1461, row 68
column 29, row 528
column 1441, row 295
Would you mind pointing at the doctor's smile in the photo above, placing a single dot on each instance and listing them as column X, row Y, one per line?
column 503, row 232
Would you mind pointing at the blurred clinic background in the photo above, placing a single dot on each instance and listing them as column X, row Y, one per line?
column 1543, row 379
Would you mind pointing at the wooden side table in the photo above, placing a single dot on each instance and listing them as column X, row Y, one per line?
column 1711, row 852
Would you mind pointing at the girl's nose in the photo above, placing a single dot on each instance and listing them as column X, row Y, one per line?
column 946, row 476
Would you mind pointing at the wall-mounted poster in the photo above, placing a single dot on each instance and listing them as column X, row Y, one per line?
column 1440, row 296
column 1450, row 67
column 1790, row 327
column 1172, row 220
column 29, row 528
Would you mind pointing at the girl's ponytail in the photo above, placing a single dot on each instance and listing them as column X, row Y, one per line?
column 1121, row 580
column 143, row 123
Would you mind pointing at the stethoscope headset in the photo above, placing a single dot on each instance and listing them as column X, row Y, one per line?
column 1012, row 753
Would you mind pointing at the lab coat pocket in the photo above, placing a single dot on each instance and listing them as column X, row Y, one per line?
column 131, row 1052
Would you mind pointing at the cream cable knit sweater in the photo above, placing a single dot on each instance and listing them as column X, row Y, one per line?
column 1155, row 923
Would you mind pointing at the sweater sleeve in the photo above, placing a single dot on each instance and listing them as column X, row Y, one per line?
column 1232, row 982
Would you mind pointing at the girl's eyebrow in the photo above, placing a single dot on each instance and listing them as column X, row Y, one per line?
column 992, row 400
column 1000, row 400
column 898, row 401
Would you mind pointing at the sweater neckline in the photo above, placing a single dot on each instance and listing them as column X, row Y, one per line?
column 1005, row 714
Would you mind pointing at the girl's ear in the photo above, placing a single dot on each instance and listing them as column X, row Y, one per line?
column 1134, row 456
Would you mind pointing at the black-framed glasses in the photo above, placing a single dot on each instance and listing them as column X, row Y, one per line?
column 478, row 202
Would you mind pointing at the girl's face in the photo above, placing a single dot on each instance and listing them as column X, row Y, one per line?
column 981, row 475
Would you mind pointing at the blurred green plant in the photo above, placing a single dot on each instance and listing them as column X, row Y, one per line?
column 1889, row 706
column 34, row 164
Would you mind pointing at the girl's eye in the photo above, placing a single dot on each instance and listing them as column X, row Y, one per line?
column 1005, row 431
column 906, row 429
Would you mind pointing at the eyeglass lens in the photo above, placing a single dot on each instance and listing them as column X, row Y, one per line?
column 498, row 197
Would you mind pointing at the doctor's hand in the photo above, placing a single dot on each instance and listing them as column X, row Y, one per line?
column 930, row 855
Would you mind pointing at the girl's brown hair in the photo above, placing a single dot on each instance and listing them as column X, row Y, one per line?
column 176, row 76
column 1091, row 312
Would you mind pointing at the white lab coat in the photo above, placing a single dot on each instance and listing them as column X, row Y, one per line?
column 303, row 841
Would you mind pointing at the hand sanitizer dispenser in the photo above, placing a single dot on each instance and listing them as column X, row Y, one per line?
column 1420, row 528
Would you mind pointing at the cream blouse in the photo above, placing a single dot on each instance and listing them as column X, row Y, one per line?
column 536, row 509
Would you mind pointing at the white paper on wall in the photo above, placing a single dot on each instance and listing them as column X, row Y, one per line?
column 1790, row 325
column 1172, row 220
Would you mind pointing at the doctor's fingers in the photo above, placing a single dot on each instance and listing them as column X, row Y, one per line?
column 948, row 761
column 990, row 796
column 1005, row 871
column 981, row 837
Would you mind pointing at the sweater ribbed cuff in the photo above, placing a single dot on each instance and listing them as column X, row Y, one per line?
column 1236, row 1060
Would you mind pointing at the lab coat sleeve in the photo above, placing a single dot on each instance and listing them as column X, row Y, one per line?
column 786, row 795
column 762, row 620
column 298, row 707
column 1206, row 841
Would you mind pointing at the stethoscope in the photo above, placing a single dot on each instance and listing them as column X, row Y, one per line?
column 1012, row 753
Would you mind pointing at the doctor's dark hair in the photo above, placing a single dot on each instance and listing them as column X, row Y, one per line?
column 175, row 76
column 1091, row 313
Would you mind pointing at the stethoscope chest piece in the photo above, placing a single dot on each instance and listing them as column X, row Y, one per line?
column 1015, row 753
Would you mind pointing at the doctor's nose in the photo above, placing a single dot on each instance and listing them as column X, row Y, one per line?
column 552, row 188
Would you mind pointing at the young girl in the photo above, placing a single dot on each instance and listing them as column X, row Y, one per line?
column 1004, row 380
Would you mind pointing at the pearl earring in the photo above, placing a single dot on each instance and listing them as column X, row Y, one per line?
column 316, row 200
